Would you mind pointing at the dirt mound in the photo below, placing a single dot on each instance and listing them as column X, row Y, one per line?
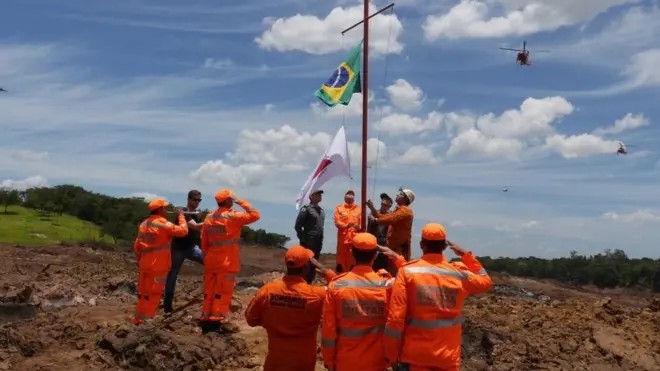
column 560, row 335
column 68, row 308
column 156, row 349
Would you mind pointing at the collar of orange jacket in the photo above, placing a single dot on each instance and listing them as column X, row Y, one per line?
column 350, row 206
column 361, row 269
column 434, row 258
column 293, row 279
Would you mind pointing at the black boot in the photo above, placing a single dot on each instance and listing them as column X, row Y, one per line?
column 210, row 326
column 167, row 306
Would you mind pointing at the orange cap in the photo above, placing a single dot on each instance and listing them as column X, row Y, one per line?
column 223, row 195
column 365, row 242
column 434, row 232
column 157, row 203
column 297, row 256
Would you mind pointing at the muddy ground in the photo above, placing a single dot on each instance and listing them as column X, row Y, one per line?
column 69, row 308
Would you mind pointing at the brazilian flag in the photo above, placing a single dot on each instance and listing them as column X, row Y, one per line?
column 344, row 82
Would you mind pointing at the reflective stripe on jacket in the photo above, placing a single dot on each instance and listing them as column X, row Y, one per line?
column 290, row 311
column 354, row 317
column 425, row 313
column 221, row 234
column 152, row 245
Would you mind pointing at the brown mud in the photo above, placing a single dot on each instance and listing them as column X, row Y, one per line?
column 69, row 308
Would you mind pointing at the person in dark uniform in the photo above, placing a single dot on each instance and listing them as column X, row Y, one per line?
column 380, row 231
column 309, row 228
column 183, row 248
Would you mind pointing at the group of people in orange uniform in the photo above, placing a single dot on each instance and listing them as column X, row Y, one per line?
column 220, row 236
column 407, row 316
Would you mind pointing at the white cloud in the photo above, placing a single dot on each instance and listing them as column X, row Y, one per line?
column 611, row 46
column 534, row 118
column 475, row 143
column 401, row 123
column 633, row 217
column 481, row 19
column 218, row 172
column 149, row 132
column 314, row 35
column 417, row 155
column 376, row 153
column 457, row 224
column 353, row 109
column 581, row 145
column 405, row 96
column 628, row 122
column 517, row 227
column 643, row 69
column 27, row 155
column 23, row 184
column 259, row 154
column 218, row 63
column 148, row 196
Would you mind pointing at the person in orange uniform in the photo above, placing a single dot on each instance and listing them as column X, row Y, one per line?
column 348, row 217
column 152, row 251
column 423, row 330
column 400, row 222
column 290, row 311
column 220, row 236
column 354, row 313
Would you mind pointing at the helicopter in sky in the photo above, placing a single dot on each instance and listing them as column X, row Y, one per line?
column 2, row 89
column 622, row 148
column 505, row 189
column 522, row 56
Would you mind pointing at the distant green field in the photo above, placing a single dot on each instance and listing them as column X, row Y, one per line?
column 26, row 227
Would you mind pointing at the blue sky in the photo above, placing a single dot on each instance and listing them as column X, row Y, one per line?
column 158, row 97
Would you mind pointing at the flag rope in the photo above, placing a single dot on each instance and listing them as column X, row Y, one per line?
column 382, row 113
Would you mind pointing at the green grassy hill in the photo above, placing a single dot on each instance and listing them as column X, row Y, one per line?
column 27, row 227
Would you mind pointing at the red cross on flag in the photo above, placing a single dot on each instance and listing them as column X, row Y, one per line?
column 335, row 162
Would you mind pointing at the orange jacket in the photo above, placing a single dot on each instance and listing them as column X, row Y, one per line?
column 344, row 215
column 425, row 313
column 354, row 316
column 152, row 245
column 290, row 311
column 221, row 234
column 399, row 233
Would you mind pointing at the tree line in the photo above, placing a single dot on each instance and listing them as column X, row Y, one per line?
column 609, row 269
column 117, row 217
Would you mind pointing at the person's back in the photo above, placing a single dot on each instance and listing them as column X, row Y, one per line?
column 354, row 313
column 425, row 314
column 291, row 314
column 290, row 311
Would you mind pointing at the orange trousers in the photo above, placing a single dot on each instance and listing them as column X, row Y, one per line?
column 218, row 291
column 150, row 289
column 344, row 257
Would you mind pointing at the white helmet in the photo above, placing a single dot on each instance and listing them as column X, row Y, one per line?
column 408, row 193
